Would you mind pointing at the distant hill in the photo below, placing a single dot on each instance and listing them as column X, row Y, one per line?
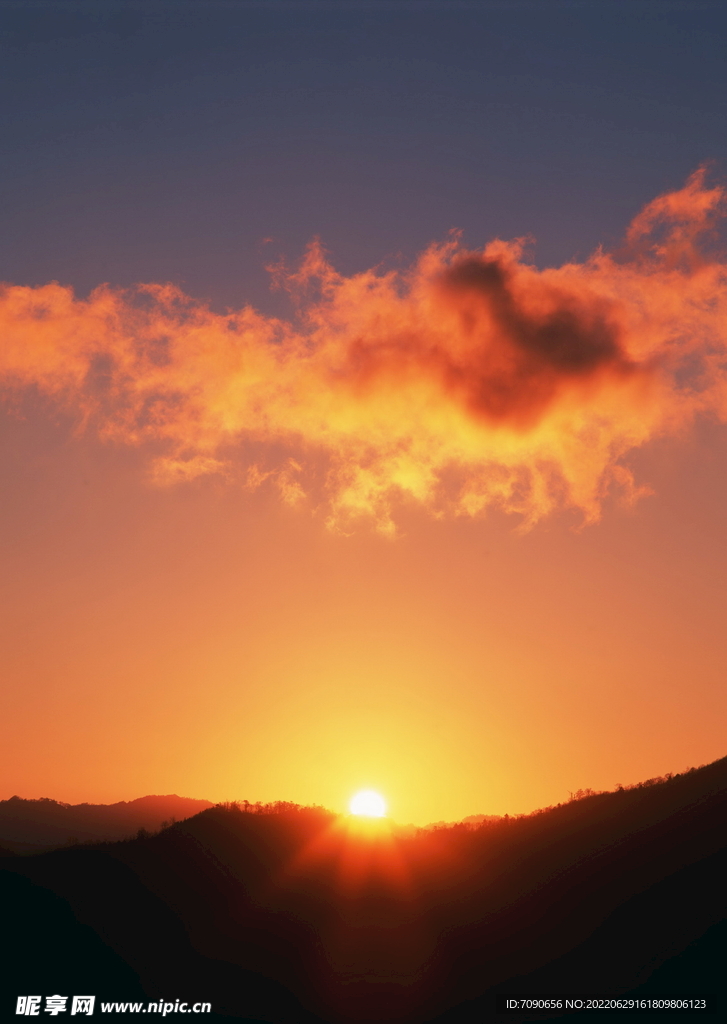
column 27, row 826
column 282, row 914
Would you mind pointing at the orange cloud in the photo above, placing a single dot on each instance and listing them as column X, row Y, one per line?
column 473, row 379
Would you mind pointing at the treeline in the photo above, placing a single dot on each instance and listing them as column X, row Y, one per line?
column 275, row 807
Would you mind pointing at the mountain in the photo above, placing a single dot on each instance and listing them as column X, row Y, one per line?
column 32, row 825
column 296, row 915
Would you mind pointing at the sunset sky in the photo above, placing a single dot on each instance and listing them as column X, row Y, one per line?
column 364, row 400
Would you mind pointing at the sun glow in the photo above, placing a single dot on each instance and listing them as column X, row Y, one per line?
column 368, row 804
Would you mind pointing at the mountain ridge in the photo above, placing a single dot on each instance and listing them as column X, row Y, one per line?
column 29, row 826
column 280, row 913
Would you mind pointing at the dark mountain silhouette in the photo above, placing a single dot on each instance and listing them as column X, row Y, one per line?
column 32, row 825
column 290, row 914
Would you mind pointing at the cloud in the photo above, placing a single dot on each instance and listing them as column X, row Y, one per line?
column 471, row 379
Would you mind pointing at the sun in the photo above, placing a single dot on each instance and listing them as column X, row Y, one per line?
column 368, row 804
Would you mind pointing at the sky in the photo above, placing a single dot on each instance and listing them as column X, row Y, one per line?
column 363, row 400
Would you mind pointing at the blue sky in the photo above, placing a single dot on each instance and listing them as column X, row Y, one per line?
column 168, row 141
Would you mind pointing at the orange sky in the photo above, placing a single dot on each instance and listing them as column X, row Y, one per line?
column 248, row 558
